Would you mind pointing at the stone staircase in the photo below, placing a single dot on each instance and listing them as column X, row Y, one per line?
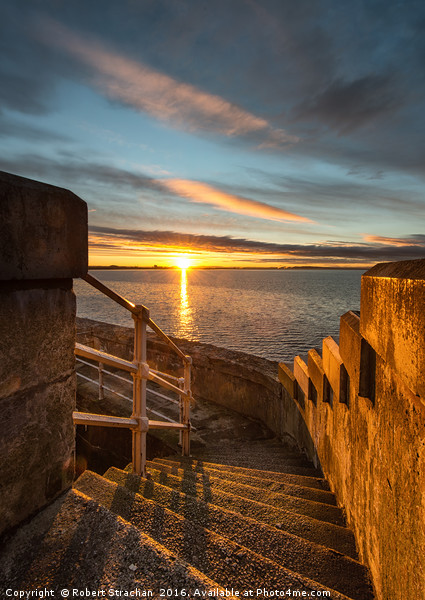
column 213, row 524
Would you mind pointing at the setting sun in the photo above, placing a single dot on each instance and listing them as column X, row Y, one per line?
column 182, row 262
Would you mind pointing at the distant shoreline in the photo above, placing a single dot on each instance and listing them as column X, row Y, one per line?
column 193, row 268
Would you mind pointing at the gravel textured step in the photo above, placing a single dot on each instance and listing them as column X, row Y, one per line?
column 213, row 477
column 223, row 560
column 200, row 466
column 278, row 466
column 255, row 457
column 75, row 543
column 317, row 510
column 270, row 457
column 335, row 537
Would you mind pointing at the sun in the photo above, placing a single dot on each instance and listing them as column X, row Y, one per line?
column 183, row 263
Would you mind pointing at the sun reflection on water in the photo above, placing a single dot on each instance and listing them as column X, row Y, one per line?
column 185, row 310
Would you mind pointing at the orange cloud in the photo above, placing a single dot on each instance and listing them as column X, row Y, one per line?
column 162, row 96
column 196, row 191
column 389, row 241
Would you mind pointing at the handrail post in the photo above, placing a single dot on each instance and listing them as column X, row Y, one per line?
column 186, row 407
column 181, row 410
column 101, row 390
column 139, row 393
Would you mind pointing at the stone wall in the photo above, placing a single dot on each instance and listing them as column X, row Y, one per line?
column 363, row 402
column 43, row 245
column 244, row 383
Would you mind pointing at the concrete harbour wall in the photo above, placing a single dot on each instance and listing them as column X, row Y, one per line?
column 364, row 406
column 43, row 245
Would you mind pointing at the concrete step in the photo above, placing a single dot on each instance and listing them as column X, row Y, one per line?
column 316, row 510
column 255, row 456
column 77, row 544
column 213, row 477
column 243, row 513
column 249, row 563
column 253, row 451
column 282, row 477
column 278, row 466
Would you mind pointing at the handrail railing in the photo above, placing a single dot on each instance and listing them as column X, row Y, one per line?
column 141, row 372
column 133, row 308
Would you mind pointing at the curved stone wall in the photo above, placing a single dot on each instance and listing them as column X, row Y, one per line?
column 244, row 383
column 363, row 403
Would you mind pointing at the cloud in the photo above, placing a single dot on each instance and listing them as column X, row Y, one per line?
column 167, row 99
column 323, row 192
column 411, row 240
column 196, row 191
column 13, row 128
column 347, row 105
column 68, row 171
column 77, row 172
column 136, row 239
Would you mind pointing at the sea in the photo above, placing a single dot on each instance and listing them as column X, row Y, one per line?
column 275, row 314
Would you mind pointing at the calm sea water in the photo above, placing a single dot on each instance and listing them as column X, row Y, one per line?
column 273, row 314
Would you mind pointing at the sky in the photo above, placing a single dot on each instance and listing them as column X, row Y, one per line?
column 239, row 133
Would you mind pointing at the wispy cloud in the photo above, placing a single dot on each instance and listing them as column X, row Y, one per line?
column 411, row 240
column 70, row 172
column 347, row 105
column 196, row 191
column 165, row 98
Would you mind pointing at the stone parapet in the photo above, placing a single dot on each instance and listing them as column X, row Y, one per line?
column 43, row 231
column 316, row 376
column 392, row 318
column 367, row 421
column 43, row 244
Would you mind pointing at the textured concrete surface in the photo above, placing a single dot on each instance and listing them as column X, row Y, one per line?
column 331, row 361
column 43, row 244
column 372, row 449
column 245, row 494
column 241, row 552
column 218, row 478
column 37, row 333
column 124, row 532
column 43, row 231
column 316, row 375
column 37, row 397
column 76, row 544
column 218, row 557
column 321, row 532
column 395, row 327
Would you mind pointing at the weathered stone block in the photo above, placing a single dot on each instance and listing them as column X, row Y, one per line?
column 331, row 363
column 350, row 345
column 43, row 231
column 302, row 378
column 316, row 373
column 392, row 318
column 36, row 448
column 37, row 335
column 287, row 379
column 43, row 245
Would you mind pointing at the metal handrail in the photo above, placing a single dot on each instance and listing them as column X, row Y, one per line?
column 135, row 309
column 141, row 372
